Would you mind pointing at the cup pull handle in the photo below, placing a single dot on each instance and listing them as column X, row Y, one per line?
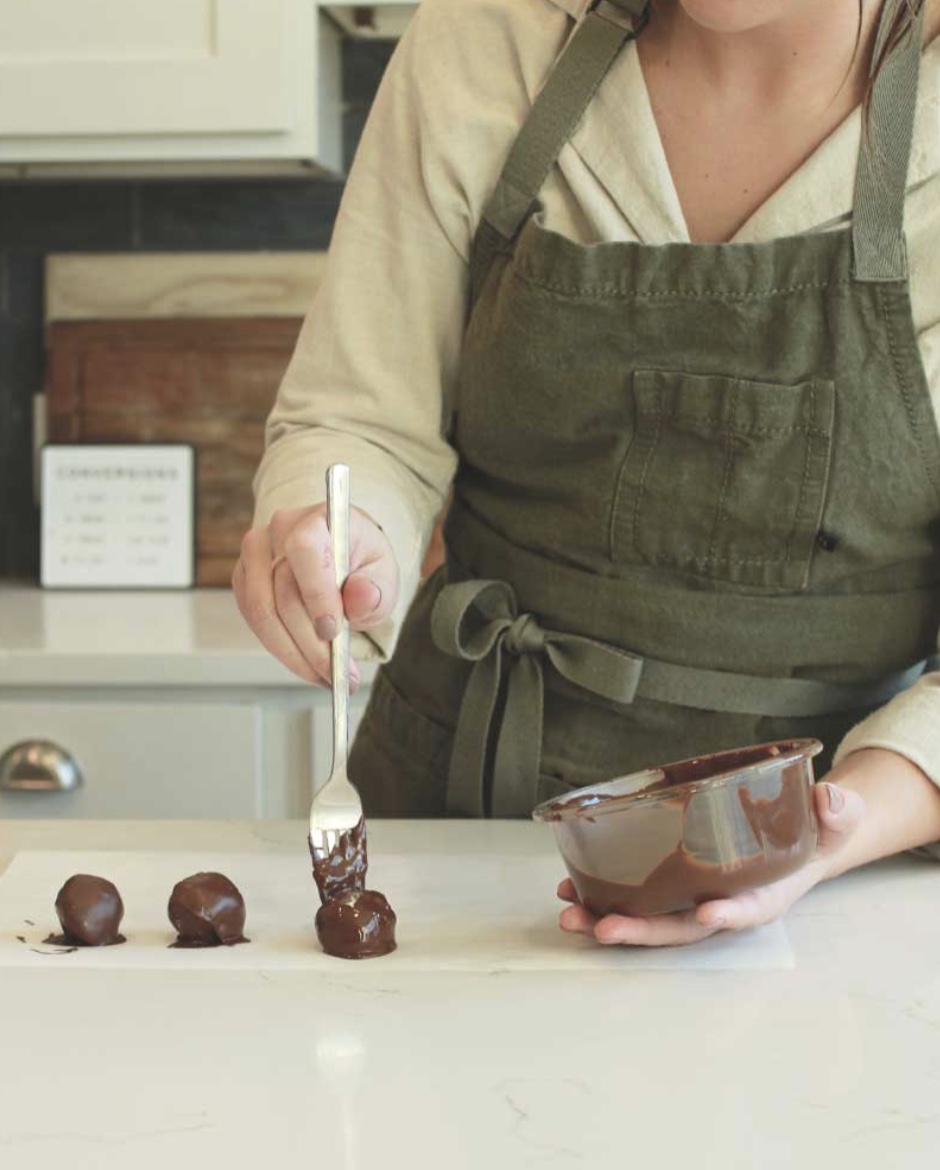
column 38, row 765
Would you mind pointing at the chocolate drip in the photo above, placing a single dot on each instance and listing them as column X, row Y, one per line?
column 207, row 910
column 344, row 867
column 352, row 922
column 90, row 912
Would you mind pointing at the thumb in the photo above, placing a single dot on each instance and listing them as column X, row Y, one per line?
column 369, row 595
column 839, row 812
column 370, row 592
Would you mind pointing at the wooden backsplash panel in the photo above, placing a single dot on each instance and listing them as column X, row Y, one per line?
column 209, row 382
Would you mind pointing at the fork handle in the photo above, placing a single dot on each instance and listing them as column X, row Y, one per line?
column 337, row 518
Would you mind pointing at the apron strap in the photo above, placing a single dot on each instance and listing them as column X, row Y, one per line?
column 559, row 107
column 479, row 621
column 878, row 248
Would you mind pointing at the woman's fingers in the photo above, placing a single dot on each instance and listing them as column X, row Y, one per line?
column 285, row 585
column 659, row 931
column 752, row 908
column 839, row 811
column 665, row 930
column 614, row 929
column 294, row 614
column 371, row 588
column 742, row 912
column 749, row 909
column 577, row 920
column 310, row 587
column 253, row 586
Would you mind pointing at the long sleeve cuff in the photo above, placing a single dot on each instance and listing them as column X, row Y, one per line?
column 908, row 725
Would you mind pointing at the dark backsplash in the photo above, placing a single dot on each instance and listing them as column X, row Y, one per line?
column 39, row 217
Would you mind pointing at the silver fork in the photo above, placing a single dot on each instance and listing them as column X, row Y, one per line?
column 336, row 807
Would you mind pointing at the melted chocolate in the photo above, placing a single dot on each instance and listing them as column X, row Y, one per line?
column 780, row 823
column 344, row 867
column 352, row 922
column 90, row 912
column 672, row 775
column 207, row 910
column 783, row 828
column 356, row 924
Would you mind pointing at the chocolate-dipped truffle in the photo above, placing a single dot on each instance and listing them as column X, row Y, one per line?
column 353, row 922
column 207, row 910
column 90, row 911
column 356, row 924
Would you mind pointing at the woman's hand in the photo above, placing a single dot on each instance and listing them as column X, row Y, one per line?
column 840, row 811
column 285, row 586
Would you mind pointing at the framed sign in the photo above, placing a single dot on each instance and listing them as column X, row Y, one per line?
column 118, row 516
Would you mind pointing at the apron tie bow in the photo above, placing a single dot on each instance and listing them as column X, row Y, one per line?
column 524, row 636
column 477, row 621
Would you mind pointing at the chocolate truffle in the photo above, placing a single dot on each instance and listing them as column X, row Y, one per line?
column 207, row 910
column 356, row 924
column 90, row 911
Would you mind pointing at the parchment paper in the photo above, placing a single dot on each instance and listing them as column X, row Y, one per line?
column 469, row 913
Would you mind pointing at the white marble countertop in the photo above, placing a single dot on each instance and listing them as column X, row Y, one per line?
column 95, row 638
column 834, row 1062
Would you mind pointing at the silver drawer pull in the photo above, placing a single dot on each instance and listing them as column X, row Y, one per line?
column 37, row 765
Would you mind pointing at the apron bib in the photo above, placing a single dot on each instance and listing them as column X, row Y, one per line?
column 697, row 498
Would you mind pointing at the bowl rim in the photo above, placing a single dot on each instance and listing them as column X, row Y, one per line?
column 792, row 750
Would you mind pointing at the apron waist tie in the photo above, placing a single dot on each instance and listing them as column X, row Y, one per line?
column 479, row 621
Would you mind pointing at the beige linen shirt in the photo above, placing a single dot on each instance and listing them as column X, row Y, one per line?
column 375, row 369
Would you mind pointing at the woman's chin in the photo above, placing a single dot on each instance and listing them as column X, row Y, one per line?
column 734, row 16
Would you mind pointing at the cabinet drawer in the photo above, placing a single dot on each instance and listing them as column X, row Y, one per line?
column 161, row 760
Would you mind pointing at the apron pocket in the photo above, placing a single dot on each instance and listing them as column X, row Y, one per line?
column 725, row 478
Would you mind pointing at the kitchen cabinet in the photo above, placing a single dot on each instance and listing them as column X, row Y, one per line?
column 107, row 81
column 159, row 759
column 171, row 753
column 164, row 703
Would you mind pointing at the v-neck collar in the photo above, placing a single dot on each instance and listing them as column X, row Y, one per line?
column 619, row 141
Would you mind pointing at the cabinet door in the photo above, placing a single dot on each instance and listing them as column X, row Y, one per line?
column 139, row 67
column 160, row 759
column 133, row 80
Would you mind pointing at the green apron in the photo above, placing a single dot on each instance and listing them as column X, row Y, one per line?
column 696, row 505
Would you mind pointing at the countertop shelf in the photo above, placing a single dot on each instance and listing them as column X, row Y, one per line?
column 150, row 639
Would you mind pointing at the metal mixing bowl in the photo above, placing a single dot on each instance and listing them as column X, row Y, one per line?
column 672, row 837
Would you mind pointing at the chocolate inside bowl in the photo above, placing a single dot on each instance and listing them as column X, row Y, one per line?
column 687, row 832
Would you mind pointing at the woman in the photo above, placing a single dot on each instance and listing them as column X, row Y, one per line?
column 671, row 333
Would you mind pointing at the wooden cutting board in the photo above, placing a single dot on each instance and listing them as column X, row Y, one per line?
column 158, row 348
